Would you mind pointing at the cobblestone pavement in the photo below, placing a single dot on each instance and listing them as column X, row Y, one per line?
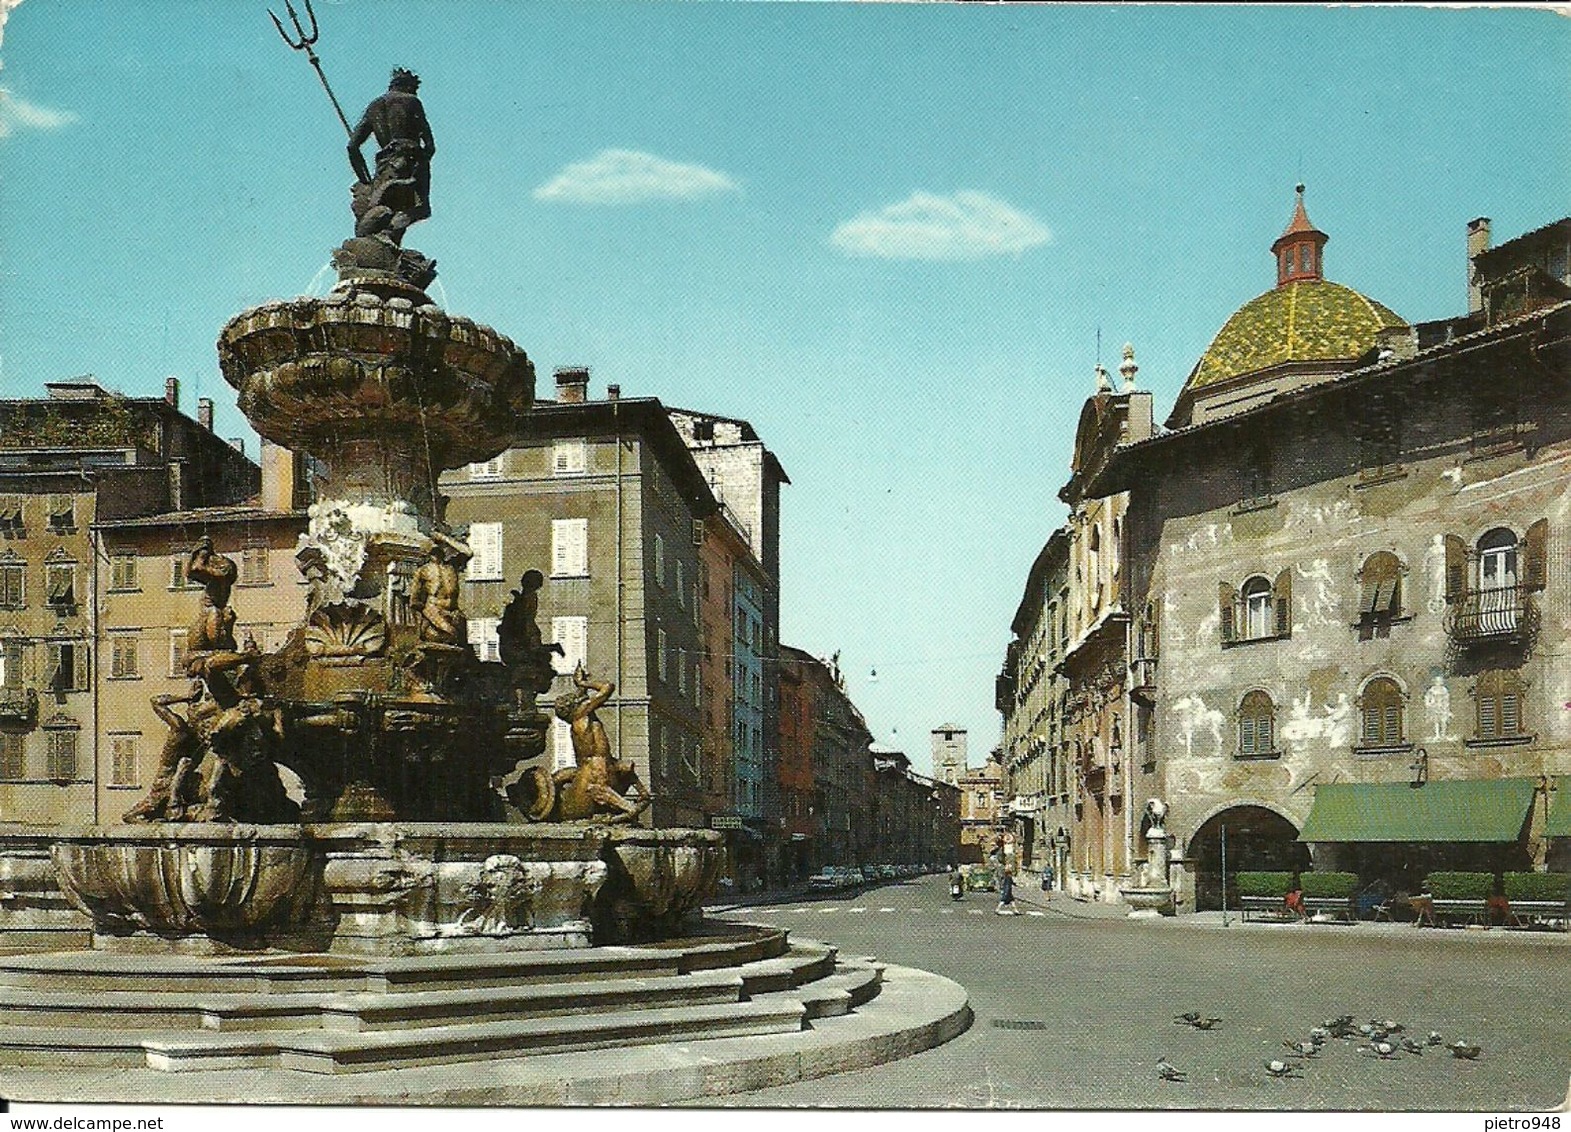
column 1074, row 1006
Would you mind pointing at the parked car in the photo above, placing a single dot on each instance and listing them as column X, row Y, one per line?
column 826, row 879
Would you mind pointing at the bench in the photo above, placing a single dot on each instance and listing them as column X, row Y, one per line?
column 1525, row 913
column 1471, row 911
column 1339, row 907
column 1265, row 906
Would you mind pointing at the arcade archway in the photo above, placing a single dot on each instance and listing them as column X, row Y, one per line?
column 1258, row 839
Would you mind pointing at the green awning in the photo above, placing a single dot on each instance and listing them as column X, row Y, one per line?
column 1483, row 810
column 1559, row 823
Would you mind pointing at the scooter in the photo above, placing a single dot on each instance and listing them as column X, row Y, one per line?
column 957, row 887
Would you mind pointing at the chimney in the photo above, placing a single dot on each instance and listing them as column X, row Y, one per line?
column 238, row 444
column 613, row 392
column 1477, row 241
column 572, row 385
column 204, row 412
column 172, row 391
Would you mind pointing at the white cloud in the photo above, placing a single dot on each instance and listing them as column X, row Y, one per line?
column 626, row 176
column 19, row 114
column 966, row 225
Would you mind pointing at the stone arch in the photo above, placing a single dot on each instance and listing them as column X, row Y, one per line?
column 1259, row 837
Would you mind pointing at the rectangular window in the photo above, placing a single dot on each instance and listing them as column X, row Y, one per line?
column 177, row 578
column 60, row 585
column 483, row 638
column 569, row 458
column 253, row 566
column 681, row 672
column 61, row 766
column 122, row 570
column 662, row 662
column 659, row 559
column 67, row 666
column 572, row 633
column 485, row 541
column 123, row 658
column 13, row 585
column 122, row 761
column 177, row 652
column 487, row 469
column 681, row 584
column 12, row 523
column 569, row 548
column 11, row 664
column 62, row 513
column 13, row 757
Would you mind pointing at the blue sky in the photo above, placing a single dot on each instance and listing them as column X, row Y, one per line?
column 887, row 234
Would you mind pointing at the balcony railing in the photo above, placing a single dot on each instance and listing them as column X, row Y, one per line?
column 1142, row 678
column 18, row 705
column 1490, row 615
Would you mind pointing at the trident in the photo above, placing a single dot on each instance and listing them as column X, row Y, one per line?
column 305, row 41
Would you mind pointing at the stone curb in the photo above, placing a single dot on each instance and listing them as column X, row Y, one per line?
column 914, row 1011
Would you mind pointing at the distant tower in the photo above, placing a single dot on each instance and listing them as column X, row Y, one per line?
column 949, row 753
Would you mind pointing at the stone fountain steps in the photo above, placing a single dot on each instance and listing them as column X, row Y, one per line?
column 334, row 1014
column 330, row 1051
column 283, row 974
column 206, row 1011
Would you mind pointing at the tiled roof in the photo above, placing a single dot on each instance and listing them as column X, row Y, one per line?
column 1301, row 321
column 247, row 513
column 1461, row 342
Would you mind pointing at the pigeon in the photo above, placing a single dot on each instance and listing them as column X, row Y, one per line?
column 1167, row 1072
column 1281, row 1069
column 1318, row 1035
column 1391, row 1027
column 1367, row 1029
column 1204, row 1023
column 1385, row 1051
column 1435, row 1038
column 1302, row 1049
column 1464, row 1049
column 1189, row 1018
column 1413, row 1047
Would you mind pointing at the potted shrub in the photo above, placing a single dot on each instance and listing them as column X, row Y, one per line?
column 1551, row 888
column 1263, row 883
column 1329, row 886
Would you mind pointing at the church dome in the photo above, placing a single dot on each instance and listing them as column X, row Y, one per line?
column 1304, row 320
column 1303, row 328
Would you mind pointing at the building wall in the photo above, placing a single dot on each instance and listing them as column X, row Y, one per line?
column 47, row 718
column 641, row 621
column 949, row 752
column 1325, row 520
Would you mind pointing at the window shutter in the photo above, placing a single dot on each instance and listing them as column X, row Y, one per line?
column 1246, row 733
column 1393, row 723
column 1486, row 716
column 1456, row 567
column 1510, row 715
column 1535, row 545
column 1226, row 600
column 1283, row 593
column 1263, row 728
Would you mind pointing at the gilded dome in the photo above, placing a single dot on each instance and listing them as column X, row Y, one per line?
column 1304, row 320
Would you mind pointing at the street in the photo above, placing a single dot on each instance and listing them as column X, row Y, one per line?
column 1074, row 1008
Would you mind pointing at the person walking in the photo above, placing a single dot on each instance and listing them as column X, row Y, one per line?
column 1006, row 895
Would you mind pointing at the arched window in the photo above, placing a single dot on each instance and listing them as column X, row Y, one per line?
column 1498, row 699
column 1256, row 725
column 1380, row 593
column 1497, row 560
column 1257, row 608
column 1381, row 705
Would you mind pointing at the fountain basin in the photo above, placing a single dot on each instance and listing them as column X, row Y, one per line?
column 360, row 366
column 382, row 888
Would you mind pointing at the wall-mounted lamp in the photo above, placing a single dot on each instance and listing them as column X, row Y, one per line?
column 1420, row 767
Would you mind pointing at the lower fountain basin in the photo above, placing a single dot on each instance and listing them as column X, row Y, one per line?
column 385, row 888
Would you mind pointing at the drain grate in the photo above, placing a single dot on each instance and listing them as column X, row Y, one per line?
column 1018, row 1024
